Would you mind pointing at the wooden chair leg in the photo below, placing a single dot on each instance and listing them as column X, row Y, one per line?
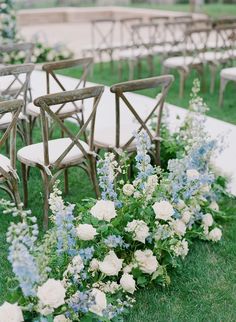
column 46, row 191
column 182, row 75
column 94, row 176
column 25, row 183
column 66, row 182
column 131, row 69
column 223, row 83
column 16, row 193
column 213, row 70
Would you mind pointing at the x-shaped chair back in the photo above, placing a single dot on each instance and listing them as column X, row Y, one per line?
column 196, row 43
column 14, row 82
column 22, row 51
column 147, row 35
column 226, row 40
column 159, row 19
column 162, row 84
column 182, row 18
column 46, row 102
column 224, row 21
column 14, row 107
column 102, row 33
column 174, row 34
column 84, row 66
column 126, row 32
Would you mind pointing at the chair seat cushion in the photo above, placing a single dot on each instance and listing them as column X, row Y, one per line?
column 34, row 154
column 6, row 119
column 211, row 56
column 67, row 110
column 181, row 61
column 229, row 73
column 5, row 163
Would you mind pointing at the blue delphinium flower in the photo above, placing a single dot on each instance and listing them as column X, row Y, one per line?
column 81, row 302
column 143, row 160
column 114, row 241
column 86, row 253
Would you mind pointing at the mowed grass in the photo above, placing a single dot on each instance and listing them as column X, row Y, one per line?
column 203, row 287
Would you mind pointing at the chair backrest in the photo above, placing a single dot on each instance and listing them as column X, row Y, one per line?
column 14, row 82
column 224, row 21
column 226, row 38
column 14, row 107
column 182, row 18
column 84, row 67
column 126, row 24
column 174, row 33
column 16, row 53
column 159, row 19
column 102, row 33
column 46, row 102
column 162, row 84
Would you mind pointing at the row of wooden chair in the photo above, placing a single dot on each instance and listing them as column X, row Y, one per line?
column 55, row 156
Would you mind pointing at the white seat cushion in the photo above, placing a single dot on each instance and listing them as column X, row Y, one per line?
column 181, row 61
column 5, row 163
column 229, row 73
column 33, row 154
column 6, row 119
column 211, row 56
column 67, row 109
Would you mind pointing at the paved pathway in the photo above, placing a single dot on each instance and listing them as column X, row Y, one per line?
column 106, row 119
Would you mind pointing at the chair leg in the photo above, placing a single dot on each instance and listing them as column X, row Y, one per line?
column 25, row 183
column 223, row 83
column 16, row 193
column 213, row 69
column 131, row 69
column 182, row 75
column 46, row 190
column 94, row 176
column 66, row 182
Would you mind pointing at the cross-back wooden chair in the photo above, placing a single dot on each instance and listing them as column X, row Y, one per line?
column 182, row 18
column 52, row 157
column 8, row 175
column 136, row 117
column 53, row 80
column 195, row 45
column 14, row 84
column 144, row 39
column 159, row 19
column 126, row 34
column 220, row 49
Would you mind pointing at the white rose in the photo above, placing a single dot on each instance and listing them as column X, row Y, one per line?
column 139, row 228
column 128, row 283
column 10, row 313
column 207, row 220
column 146, row 261
column 180, row 205
column 186, row 217
column 179, row 227
column 52, row 293
column 86, row 232
column 94, row 265
column 111, row 265
column 128, row 189
column 193, row 174
column 163, row 210
column 128, row 268
column 181, row 248
column 100, row 302
column 104, row 210
column 214, row 206
column 215, row 234
column 137, row 195
column 61, row 318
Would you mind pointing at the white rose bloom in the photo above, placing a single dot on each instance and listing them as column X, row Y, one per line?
column 10, row 313
column 61, row 318
column 179, row 227
column 215, row 234
column 100, row 302
column 128, row 283
column 94, row 265
column 139, row 229
column 207, row 220
column 146, row 261
column 52, row 293
column 128, row 189
column 163, row 210
column 111, row 265
column 137, row 195
column 181, row 248
column 186, row 217
column 104, row 210
column 214, row 206
column 128, row 268
column 86, row 232
column 193, row 174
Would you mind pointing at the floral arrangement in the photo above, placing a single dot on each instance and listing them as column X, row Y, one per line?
column 9, row 34
column 98, row 253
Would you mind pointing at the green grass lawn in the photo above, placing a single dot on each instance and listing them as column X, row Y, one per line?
column 203, row 287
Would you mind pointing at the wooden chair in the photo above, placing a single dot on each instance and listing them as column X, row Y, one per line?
column 52, row 157
column 84, row 67
column 122, row 136
column 8, row 175
column 14, row 80
column 195, row 43
column 126, row 34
